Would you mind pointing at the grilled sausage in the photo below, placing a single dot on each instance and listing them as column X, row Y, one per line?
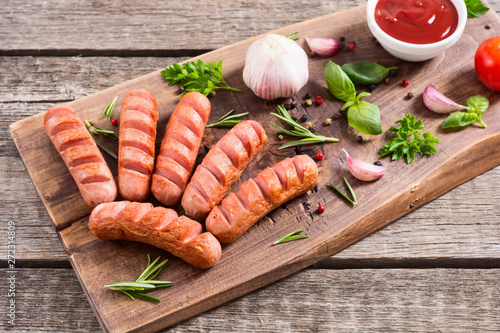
column 157, row 226
column 222, row 167
column 179, row 148
column 258, row 196
column 136, row 150
column 81, row 155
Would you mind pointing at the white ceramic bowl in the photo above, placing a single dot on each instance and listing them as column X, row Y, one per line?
column 415, row 52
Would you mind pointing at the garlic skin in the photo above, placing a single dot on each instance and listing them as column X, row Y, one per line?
column 439, row 103
column 324, row 47
column 275, row 66
column 364, row 171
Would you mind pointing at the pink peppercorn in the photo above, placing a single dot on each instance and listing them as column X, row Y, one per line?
column 319, row 156
column 352, row 47
column 321, row 209
column 405, row 83
column 318, row 100
column 114, row 121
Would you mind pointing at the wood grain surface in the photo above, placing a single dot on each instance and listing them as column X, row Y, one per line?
column 459, row 229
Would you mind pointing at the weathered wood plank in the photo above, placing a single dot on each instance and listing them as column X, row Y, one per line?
column 409, row 300
column 79, row 27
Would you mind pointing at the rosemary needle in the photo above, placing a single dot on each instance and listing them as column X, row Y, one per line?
column 109, row 108
column 307, row 136
column 228, row 120
column 291, row 237
column 95, row 131
column 354, row 201
column 293, row 35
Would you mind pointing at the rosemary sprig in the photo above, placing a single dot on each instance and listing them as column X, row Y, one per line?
column 143, row 283
column 228, row 120
column 109, row 108
column 293, row 36
column 354, row 201
column 291, row 237
column 95, row 131
column 307, row 136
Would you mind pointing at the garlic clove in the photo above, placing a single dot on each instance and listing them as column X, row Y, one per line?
column 363, row 170
column 439, row 103
column 324, row 47
column 275, row 66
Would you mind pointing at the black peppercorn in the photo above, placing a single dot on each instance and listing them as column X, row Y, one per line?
column 342, row 39
column 371, row 87
column 287, row 106
column 378, row 163
column 180, row 90
column 294, row 117
column 293, row 105
column 307, row 96
column 359, row 139
column 409, row 95
column 304, row 117
column 393, row 72
column 313, row 129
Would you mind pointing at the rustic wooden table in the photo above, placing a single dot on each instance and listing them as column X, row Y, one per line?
column 436, row 269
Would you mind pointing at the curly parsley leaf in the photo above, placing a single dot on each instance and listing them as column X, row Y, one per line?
column 475, row 8
column 410, row 140
column 197, row 76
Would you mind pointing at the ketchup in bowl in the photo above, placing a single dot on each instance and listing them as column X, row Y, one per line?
column 417, row 21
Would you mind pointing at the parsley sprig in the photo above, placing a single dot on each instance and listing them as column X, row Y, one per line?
column 197, row 76
column 409, row 140
column 307, row 136
column 143, row 283
column 475, row 8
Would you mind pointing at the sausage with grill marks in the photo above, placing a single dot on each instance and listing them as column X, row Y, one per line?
column 258, row 196
column 157, row 226
column 222, row 167
column 179, row 148
column 136, row 150
column 80, row 154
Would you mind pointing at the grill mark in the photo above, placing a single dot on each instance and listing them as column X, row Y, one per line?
column 179, row 182
column 247, row 147
column 138, row 145
column 187, row 124
column 262, row 191
column 240, row 198
column 64, row 127
column 300, row 175
column 95, row 179
column 175, row 157
column 139, row 125
column 283, row 185
column 200, row 191
column 58, row 111
column 69, row 144
column 257, row 130
column 143, row 95
column 225, row 214
column 214, row 174
column 135, row 166
column 182, row 140
column 233, row 162
column 139, row 108
column 200, row 112
column 84, row 160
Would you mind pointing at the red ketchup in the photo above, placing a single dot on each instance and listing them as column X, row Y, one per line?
column 417, row 21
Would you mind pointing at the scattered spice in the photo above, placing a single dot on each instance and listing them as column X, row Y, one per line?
column 318, row 100
column 352, row 47
column 280, row 137
column 378, row 163
column 312, row 54
column 411, row 206
column 114, row 121
column 405, row 83
column 294, row 117
column 386, row 80
column 319, row 156
column 487, row 27
column 359, row 139
column 212, row 93
column 328, row 121
column 393, row 72
column 409, row 95
column 371, row 87
column 337, row 115
column 308, row 102
column 307, row 96
column 313, row 129
column 293, row 104
column 308, row 125
column 304, row 117
column 180, row 90
column 321, row 209
column 287, row 106
column 342, row 39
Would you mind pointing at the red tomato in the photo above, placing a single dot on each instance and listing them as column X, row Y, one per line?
column 487, row 62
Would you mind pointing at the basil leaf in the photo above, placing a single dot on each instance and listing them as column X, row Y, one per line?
column 365, row 117
column 366, row 72
column 338, row 82
column 459, row 119
column 479, row 104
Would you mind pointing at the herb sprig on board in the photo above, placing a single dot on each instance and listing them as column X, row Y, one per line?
column 409, row 140
column 96, row 131
column 227, row 120
column 307, row 136
column 197, row 76
column 144, row 282
column 291, row 237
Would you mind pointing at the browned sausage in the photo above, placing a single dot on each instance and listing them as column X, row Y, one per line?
column 81, row 155
column 258, row 196
column 179, row 148
column 157, row 226
column 136, row 150
column 222, row 167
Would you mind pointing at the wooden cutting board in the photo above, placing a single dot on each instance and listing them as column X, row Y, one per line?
column 251, row 262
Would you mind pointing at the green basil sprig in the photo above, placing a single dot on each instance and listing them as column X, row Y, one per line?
column 362, row 115
column 366, row 72
column 477, row 105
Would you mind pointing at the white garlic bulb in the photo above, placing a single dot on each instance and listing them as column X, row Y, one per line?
column 275, row 66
